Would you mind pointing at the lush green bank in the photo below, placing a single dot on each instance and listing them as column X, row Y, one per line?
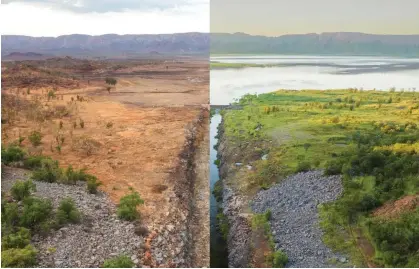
column 370, row 137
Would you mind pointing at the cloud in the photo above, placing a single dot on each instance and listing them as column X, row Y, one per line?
column 103, row 6
column 40, row 19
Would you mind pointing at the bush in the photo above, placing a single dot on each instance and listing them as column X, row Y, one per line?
column 22, row 189
column 49, row 171
column 12, row 154
column 127, row 208
column 92, row 185
column 35, row 211
column 35, row 137
column 118, row 262
column 303, row 167
column 67, row 212
column 33, row 162
column 16, row 240
column 111, row 81
column 72, row 176
column 279, row 259
column 9, row 215
column 19, row 257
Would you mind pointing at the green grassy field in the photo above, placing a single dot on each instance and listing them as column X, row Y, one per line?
column 370, row 137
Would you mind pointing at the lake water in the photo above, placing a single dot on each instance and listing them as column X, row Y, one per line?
column 310, row 72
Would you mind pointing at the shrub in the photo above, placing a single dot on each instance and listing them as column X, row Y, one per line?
column 49, row 171
column 51, row 94
column 12, row 154
column 127, row 208
column 72, row 176
column 81, row 123
column 111, row 81
column 16, row 240
column 9, row 215
column 119, row 262
column 279, row 259
column 19, row 257
column 33, row 162
column 303, row 167
column 35, row 138
column 92, row 185
column 22, row 189
column 67, row 212
column 35, row 211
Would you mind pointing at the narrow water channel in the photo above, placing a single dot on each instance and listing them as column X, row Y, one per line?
column 218, row 244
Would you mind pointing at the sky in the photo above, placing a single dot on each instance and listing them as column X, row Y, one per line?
column 96, row 17
column 279, row 17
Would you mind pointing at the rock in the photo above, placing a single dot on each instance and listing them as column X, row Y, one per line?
column 342, row 259
column 295, row 222
column 99, row 236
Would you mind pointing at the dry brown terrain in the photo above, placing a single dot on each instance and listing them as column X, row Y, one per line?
column 132, row 135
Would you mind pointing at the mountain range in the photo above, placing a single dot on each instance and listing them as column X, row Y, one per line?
column 107, row 45
column 112, row 45
column 339, row 43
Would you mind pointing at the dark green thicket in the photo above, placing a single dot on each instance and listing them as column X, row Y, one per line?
column 373, row 175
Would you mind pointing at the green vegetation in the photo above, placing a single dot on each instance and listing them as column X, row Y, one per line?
column 35, row 138
column 20, row 239
column 260, row 222
column 127, row 208
column 218, row 191
column 370, row 137
column 22, row 189
column 18, row 257
column 119, row 262
column 92, row 184
column 279, row 259
column 24, row 215
column 67, row 212
column 222, row 223
column 11, row 154
column 111, row 81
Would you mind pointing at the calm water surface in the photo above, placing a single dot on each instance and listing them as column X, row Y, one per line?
column 310, row 72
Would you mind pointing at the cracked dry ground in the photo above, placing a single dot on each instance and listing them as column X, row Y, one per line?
column 139, row 149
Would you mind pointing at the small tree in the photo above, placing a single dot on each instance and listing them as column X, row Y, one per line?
column 111, row 81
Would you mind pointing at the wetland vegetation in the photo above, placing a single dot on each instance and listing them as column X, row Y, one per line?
column 369, row 137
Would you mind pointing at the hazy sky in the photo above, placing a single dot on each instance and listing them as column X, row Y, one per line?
column 95, row 17
column 278, row 17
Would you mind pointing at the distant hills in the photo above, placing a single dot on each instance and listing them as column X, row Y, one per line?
column 339, row 43
column 110, row 45
column 16, row 47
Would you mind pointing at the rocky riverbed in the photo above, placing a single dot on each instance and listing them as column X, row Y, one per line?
column 99, row 236
column 295, row 221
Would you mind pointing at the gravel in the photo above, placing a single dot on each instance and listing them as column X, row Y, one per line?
column 99, row 236
column 295, row 221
